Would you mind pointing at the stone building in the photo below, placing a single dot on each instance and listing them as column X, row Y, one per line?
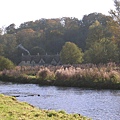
column 34, row 60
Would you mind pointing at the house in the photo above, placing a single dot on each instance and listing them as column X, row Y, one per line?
column 34, row 60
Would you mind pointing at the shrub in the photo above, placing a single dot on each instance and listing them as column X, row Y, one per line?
column 45, row 74
column 5, row 63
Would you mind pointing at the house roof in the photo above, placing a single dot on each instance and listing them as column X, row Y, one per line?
column 44, row 58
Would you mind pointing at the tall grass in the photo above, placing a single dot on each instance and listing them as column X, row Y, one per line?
column 84, row 75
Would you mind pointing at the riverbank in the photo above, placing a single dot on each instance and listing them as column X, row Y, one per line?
column 87, row 76
column 11, row 109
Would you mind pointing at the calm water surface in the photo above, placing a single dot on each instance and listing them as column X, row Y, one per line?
column 96, row 104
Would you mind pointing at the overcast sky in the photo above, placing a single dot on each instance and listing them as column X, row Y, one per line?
column 20, row 11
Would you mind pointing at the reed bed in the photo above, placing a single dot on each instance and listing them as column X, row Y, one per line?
column 83, row 75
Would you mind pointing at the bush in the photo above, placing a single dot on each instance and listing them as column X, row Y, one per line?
column 45, row 74
column 5, row 63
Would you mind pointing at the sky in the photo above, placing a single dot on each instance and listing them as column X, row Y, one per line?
column 20, row 11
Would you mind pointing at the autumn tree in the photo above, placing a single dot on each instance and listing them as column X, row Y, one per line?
column 26, row 37
column 72, row 31
column 50, row 35
column 71, row 54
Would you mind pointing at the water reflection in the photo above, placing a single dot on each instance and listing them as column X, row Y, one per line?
column 97, row 104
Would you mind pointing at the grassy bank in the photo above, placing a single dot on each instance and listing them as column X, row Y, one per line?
column 11, row 109
column 86, row 75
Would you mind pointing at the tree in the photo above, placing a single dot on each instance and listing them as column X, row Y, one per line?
column 1, row 31
column 116, row 13
column 1, row 50
column 11, row 29
column 71, row 54
column 72, row 33
column 26, row 38
column 114, row 26
column 37, row 50
column 89, row 20
column 103, row 51
column 9, row 44
column 5, row 63
column 95, row 33
column 54, row 37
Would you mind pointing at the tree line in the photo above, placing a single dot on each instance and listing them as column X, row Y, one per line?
column 96, row 36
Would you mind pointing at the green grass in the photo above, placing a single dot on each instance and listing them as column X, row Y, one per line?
column 11, row 109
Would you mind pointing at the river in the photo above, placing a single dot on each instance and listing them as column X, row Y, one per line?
column 96, row 104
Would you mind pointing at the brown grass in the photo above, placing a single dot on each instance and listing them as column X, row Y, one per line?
column 77, row 75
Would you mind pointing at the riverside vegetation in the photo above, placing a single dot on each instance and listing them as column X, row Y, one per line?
column 102, row 76
column 11, row 109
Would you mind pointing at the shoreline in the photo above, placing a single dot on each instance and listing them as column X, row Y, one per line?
column 61, row 83
column 23, row 110
column 83, row 76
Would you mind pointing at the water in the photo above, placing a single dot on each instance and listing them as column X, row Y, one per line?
column 96, row 104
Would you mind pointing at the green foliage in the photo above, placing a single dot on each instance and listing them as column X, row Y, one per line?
column 38, row 36
column 1, row 49
column 114, row 25
column 37, row 50
column 90, row 19
column 5, row 63
column 8, row 45
column 95, row 33
column 103, row 51
column 71, row 54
